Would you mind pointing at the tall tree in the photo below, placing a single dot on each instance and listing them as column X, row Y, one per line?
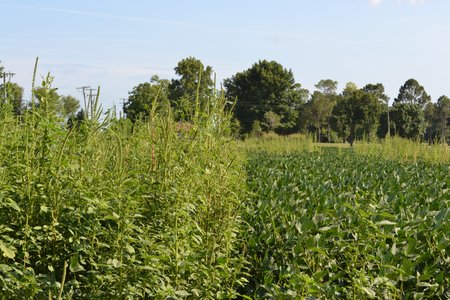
column 356, row 115
column 143, row 95
column 412, row 93
column 378, row 91
column 266, row 87
column 195, row 80
column 408, row 110
column 318, row 111
column 429, row 113
column 327, row 86
column 442, row 119
column 319, row 108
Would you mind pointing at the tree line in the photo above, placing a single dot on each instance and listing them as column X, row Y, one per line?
column 267, row 98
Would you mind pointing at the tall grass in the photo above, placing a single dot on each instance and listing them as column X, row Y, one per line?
column 273, row 143
column 112, row 210
column 405, row 150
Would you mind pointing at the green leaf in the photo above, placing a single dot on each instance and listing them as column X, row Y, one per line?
column 182, row 293
column 426, row 284
column 8, row 252
column 75, row 265
column 5, row 268
column 130, row 249
column 369, row 292
column 386, row 222
column 114, row 262
column 12, row 204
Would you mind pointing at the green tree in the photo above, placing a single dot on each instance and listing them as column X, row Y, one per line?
column 355, row 116
column 319, row 108
column 143, row 95
column 442, row 119
column 430, row 118
column 408, row 110
column 14, row 95
column 68, row 106
column 318, row 111
column 412, row 93
column 271, row 121
column 350, row 87
column 327, row 86
column 378, row 91
column 266, row 87
column 195, row 79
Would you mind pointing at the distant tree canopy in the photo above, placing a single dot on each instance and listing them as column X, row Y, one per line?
column 142, row 96
column 68, row 106
column 194, row 80
column 14, row 94
column 318, row 109
column 437, row 117
column 266, row 98
column 327, row 86
column 356, row 115
column 408, row 118
column 267, row 93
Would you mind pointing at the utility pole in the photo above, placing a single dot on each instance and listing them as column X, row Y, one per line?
column 91, row 102
column 4, row 75
column 83, row 89
column 123, row 105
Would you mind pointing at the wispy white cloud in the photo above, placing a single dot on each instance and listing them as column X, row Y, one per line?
column 375, row 2
column 416, row 1
column 413, row 2
column 102, row 15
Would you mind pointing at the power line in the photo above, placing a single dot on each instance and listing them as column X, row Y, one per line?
column 83, row 89
column 123, row 105
column 5, row 75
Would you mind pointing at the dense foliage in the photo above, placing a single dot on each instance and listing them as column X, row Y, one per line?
column 334, row 224
column 265, row 92
column 106, row 210
column 140, row 99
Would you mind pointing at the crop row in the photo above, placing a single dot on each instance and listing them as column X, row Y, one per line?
column 333, row 224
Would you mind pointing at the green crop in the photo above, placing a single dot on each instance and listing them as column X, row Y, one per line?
column 332, row 224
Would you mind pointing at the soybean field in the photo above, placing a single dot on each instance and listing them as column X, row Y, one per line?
column 333, row 224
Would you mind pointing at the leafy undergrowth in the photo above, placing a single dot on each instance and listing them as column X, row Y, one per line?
column 332, row 224
column 118, row 211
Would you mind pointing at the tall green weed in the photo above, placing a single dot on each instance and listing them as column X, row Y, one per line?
column 106, row 209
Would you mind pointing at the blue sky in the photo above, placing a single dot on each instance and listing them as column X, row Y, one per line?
column 119, row 44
